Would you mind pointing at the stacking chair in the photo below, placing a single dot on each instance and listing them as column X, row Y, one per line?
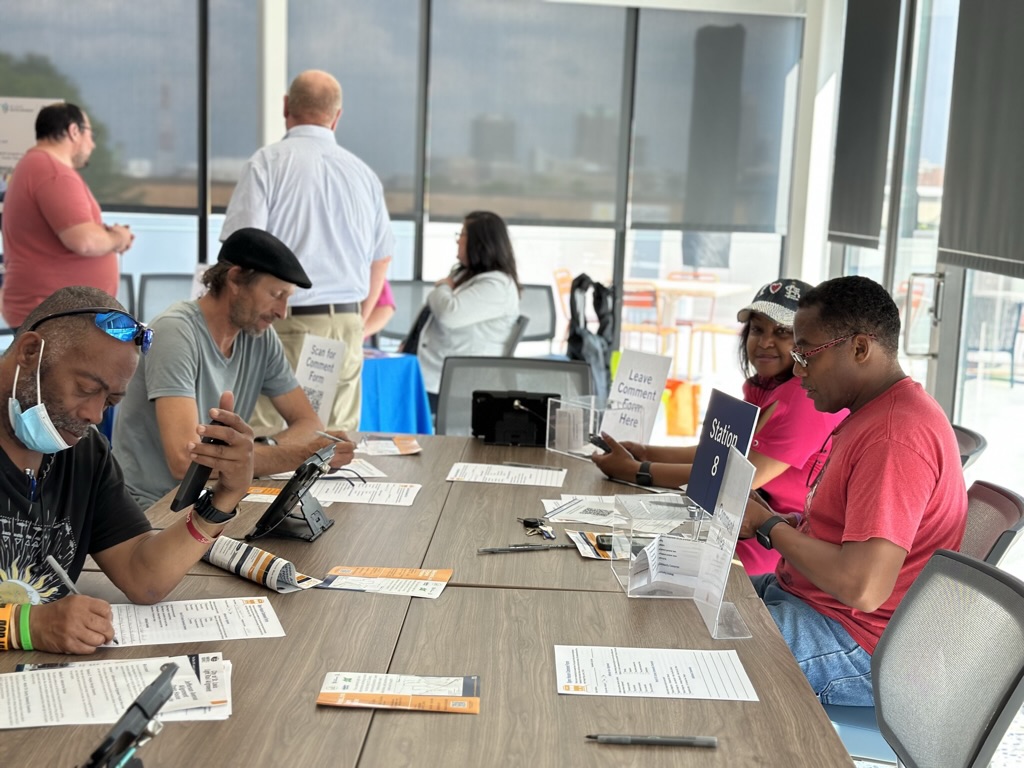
column 971, row 443
column 409, row 297
column 538, row 303
column 462, row 375
column 994, row 525
column 157, row 291
column 644, row 312
column 518, row 329
column 948, row 672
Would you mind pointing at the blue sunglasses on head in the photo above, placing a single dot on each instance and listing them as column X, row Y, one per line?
column 116, row 323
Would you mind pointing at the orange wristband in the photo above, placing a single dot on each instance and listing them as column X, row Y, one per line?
column 6, row 626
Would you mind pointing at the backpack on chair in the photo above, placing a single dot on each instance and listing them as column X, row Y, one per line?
column 593, row 348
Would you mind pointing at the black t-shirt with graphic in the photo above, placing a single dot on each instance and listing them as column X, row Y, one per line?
column 81, row 507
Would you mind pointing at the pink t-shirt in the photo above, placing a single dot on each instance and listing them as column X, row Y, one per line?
column 894, row 473
column 795, row 434
column 386, row 298
column 45, row 197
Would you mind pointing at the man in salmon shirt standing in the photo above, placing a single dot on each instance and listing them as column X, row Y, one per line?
column 53, row 234
column 890, row 494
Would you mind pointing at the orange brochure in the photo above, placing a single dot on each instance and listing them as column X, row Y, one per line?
column 458, row 695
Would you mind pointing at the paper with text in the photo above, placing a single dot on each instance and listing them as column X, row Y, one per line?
column 460, row 695
column 257, row 565
column 399, row 445
column 635, row 396
column 360, row 467
column 194, row 621
column 666, row 673
column 506, row 474
column 387, row 494
column 318, row 372
column 410, row 582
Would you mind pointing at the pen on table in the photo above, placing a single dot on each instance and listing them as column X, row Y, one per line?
column 66, row 580
column 523, row 548
column 710, row 742
column 526, row 466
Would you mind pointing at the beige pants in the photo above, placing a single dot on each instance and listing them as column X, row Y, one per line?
column 346, row 327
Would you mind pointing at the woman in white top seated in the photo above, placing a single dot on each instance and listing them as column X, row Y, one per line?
column 474, row 309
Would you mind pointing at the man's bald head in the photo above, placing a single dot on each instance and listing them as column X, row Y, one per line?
column 314, row 98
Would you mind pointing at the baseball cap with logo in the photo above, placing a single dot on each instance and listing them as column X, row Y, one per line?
column 777, row 301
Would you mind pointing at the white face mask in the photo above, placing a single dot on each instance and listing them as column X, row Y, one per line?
column 33, row 427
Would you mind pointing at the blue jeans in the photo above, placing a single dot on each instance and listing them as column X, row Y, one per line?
column 837, row 668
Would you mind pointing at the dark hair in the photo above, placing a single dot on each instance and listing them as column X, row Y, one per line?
column 488, row 247
column 63, row 332
column 216, row 277
column 745, row 365
column 52, row 122
column 856, row 304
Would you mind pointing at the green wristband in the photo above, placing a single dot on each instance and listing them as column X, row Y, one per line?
column 26, row 635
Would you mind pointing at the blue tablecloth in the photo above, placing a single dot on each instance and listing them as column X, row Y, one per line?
column 394, row 398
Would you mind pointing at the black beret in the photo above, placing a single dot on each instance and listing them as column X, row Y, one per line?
column 253, row 248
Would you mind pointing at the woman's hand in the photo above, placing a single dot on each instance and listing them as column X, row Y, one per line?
column 617, row 463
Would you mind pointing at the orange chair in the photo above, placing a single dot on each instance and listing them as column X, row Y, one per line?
column 702, row 323
column 644, row 312
column 563, row 287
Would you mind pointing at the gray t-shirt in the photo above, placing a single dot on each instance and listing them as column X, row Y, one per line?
column 184, row 361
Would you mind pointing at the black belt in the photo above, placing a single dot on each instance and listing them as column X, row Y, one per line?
column 351, row 307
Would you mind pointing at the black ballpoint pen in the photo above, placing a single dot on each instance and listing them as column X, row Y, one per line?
column 523, row 548
column 710, row 742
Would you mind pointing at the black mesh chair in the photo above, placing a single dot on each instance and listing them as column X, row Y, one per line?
column 157, row 291
column 537, row 302
column 462, row 375
column 971, row 444
column 518, row 329
column 948, row 672
column 409, row 297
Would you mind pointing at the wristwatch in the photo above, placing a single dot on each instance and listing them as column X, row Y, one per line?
column 643, row 475
column 763, row 533
column 205, row 509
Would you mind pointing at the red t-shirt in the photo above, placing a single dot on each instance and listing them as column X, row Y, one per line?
column 794, row 434
column 45, row 197
column 894, row 473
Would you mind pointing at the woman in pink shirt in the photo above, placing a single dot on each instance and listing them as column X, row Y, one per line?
column 790, row 437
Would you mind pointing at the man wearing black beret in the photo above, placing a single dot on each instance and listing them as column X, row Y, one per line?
column 220, row 342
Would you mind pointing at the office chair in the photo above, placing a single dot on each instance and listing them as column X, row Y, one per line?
column 157, row 291
column 538, row 303
column 971, row 444
column 409, row 297
column 126, row 293
column 948, row 671
column 994, row 524
column 518, row 329
column 462, row 375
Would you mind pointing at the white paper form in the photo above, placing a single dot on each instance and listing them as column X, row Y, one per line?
column 360, row 466
column 399, row 445
column 87, row 693
column 668, row 565
column 586, row 512
column 664, row 673
column 506, row 474
column 194, row 621
column 550, row 505
column 387, row 494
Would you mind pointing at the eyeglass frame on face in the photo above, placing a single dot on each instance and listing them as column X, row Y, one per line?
column 800, row 357
column 142, row 334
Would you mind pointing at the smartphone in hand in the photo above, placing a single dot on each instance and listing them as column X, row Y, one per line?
column 195, row 479
column 596, row 439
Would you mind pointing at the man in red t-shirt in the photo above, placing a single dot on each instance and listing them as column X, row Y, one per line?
column 890, row 494
column 53, row 234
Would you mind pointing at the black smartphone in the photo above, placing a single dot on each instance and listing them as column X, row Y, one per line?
column 195, row 479
column 596, row 439
column 604, row 542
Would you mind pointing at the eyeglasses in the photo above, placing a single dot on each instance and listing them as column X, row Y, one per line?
column 114, row 322
column 458, row 236
column 801, row 357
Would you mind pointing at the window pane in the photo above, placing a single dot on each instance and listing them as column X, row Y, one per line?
column 372, row 49
column 524, row 109
column 234, row 95
column 715, row 107
column 136, row 81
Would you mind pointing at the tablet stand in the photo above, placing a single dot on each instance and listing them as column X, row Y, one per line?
column 308, row 524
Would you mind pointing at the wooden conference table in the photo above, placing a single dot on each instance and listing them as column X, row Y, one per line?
column 499, row 618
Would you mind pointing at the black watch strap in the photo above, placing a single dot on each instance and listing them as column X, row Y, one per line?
column 205, row 509
column 763, row 533
column 643, row 475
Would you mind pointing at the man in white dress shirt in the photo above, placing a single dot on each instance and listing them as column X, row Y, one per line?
column 326, row 205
